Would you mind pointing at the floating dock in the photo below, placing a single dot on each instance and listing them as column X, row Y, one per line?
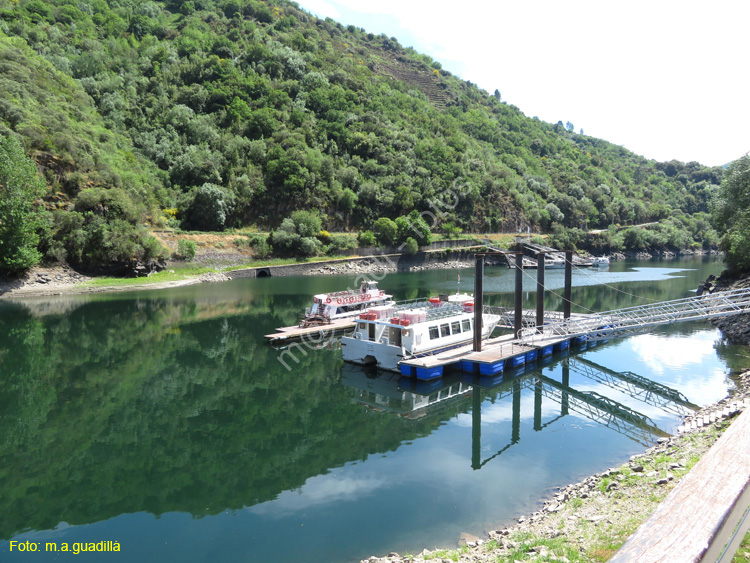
column 497, row 355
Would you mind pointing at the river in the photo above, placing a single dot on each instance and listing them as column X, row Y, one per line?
column 162, row 420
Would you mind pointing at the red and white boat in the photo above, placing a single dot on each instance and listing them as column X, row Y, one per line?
column 328, row 307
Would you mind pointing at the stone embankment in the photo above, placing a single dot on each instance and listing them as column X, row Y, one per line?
column 590, row 520
column 737, row 328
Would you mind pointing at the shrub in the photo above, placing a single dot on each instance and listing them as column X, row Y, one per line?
column 288, row 241
column 260, row 245
column 366, row 238
column 186, row 249
column 451, row 230
column 341, row 242
column 411, row 246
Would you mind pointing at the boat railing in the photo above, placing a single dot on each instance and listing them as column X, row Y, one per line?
column 444, row 311
column 411, row 304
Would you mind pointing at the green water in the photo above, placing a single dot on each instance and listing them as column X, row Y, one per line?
column 163, row 421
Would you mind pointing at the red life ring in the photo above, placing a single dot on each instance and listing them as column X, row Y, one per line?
column 328, row 299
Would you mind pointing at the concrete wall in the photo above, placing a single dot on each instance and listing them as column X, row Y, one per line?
column 392, row 262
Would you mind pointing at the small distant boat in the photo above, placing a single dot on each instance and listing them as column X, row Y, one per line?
column 600, row 261
column 328, row 307
column 554, row 263
column 386, row 335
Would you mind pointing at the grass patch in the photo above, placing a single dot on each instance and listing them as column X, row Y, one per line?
column 543, row 549
column 743, row 553
column 441, row 555
column 174, row 274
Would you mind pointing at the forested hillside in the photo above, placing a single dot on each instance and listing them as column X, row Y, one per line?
column 216, row 114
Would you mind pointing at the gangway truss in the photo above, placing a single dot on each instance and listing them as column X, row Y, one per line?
column 641, row 319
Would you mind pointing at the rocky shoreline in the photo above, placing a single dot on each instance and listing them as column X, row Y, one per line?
column 62, row 279
column 736, row 329
column 58, row 280
column 590, row 520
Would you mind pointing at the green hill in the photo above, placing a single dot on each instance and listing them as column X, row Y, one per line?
column 217, row 114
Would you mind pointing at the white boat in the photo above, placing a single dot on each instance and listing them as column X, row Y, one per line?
column 600, row 261
column 328, row 307
column 388, row 334
column 554, row 263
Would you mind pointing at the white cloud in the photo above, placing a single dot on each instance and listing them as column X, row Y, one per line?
column 321, row 8
column 673, row 354
column 665, row 79
column 320, row 490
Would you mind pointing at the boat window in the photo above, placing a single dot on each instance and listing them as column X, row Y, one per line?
column 456, row 327
column 445, row 330
column 434, row 333
column 467, row 325
column 361, row 325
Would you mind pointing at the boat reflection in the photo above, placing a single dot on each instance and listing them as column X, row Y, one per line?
column 413, row 399
column 406, row 397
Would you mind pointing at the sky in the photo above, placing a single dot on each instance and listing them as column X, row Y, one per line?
column 665, row 79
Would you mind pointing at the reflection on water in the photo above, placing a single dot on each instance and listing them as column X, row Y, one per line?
column 412, row 399
column 163, row 421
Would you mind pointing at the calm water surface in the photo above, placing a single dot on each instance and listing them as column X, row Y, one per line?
column 163, row 421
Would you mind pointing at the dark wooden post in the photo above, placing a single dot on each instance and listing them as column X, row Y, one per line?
column 568, row 283
column 478, row 302
column 540, row 290
column 518, row 320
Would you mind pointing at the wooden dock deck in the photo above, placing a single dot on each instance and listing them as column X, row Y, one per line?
column 290, row 333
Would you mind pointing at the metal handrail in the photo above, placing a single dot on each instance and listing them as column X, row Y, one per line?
column 640, row 319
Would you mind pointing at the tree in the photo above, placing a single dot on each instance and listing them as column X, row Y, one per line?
column 20, row 186
column 306, row 223
column 209, row 209
column 385, row 231
column 731, row 214
column 414, row 226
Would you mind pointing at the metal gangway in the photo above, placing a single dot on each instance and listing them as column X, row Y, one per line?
column 641, row 319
